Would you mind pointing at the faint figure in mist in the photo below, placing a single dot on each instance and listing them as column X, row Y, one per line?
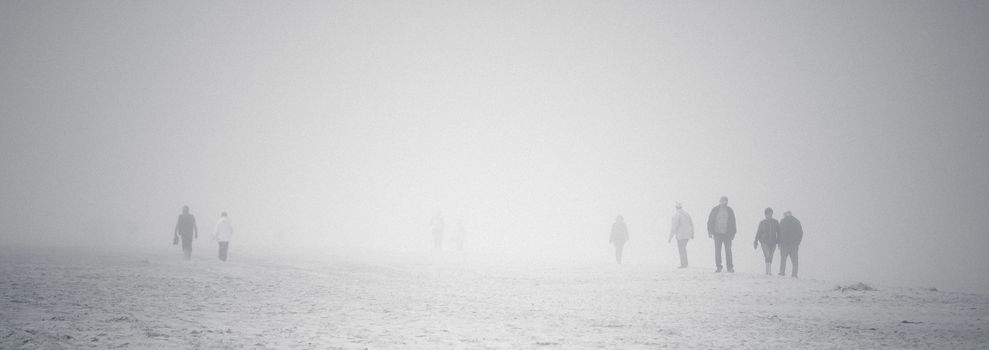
column 791, row 233
column 458, row 234
column 187, row 230
column 721, row 227
column 619, row 235
column 682, row 227
column 438, row 227
column 222, row 235
column 768, row 235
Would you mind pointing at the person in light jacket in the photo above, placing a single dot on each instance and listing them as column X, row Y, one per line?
column 767, row 235
column 721, row 227
column 222, row 235
column 619, row 235
column 682, row 227
column 791, row 233
column 438, row 226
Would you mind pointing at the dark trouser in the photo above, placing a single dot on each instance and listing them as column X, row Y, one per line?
column 618, row 251
column 682, row 246
column 719, row 241
column 788, row 251
column 768, row 250
column 224, row 246
column 187, row 245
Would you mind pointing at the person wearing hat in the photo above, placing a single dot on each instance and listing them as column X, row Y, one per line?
column 222, row 235
column 619, row 235
column 721, row 227
column 186, row 228
column 791, row 233
column 768, row 236
column 682, row 227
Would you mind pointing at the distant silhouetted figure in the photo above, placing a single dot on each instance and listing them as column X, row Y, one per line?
column 458, row 234
column 619, row 235
column 768, row 235
column 186, row 228
column 791, row 233
column 222, row 235
column 721, row 227
column 438, row 227
column 682, row 227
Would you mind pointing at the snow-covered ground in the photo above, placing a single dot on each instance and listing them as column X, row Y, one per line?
column 62, row 299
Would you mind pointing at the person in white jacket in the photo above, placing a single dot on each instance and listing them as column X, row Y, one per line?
column 222, row 235
column 682, row 227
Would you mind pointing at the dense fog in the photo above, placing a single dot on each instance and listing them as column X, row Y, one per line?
column 333, row 127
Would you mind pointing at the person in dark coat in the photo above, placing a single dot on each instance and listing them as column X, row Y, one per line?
column 721, row 227
column 187, row 230
column 791, row 233
column 768, row 236
column 619, row 235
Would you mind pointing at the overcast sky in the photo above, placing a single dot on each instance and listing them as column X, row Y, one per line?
column 536, row 122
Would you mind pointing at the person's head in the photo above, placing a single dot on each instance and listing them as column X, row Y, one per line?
column 787, row 213
column 619, row 218
column 679, row 205
column 185, row 209
column 223, row 214
column 724, row 200
column 769, row 213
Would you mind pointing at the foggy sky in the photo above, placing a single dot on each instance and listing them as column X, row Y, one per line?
column 352, row 122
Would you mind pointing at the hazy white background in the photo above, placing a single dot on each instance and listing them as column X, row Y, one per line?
column 347, row 124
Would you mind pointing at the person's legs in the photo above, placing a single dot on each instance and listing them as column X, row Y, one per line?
column 795, row 259
column 784, row 253
column 187, row 246
column 618, row 252
column 437, row 239
column 682, row 246
column 731, row 266
column 718, row 242
column 224, row 246
column 767, row 253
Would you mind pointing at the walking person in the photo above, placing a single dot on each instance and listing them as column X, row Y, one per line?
column 438, row 227
column 721, row 227
column 222, row 235
column 619, row 235
column 767, row 235
column 791, row 233
column 682, row 227
column 458, row 235
column 187, row 230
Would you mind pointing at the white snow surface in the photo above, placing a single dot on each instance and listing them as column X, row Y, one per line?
column 51, row 298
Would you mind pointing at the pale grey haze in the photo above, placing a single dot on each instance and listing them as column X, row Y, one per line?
column 345, row 125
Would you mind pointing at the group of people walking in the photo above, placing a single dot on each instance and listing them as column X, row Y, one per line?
column 785, row 234
column 186, row 230
column 439, row 227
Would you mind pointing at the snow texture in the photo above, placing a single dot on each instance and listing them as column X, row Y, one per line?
column 118, row 300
